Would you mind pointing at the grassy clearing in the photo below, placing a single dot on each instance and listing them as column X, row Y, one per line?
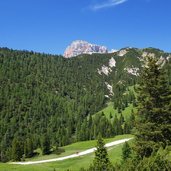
column 76, row 147
column 76, row 163
column 109, row 109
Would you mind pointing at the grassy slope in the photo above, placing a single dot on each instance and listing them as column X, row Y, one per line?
column 126, row 113
column 75, row 163
column 109, row 109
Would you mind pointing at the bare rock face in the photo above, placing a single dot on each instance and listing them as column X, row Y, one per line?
column 79, row 47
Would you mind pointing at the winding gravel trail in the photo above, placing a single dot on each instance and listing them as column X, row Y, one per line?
column 91, row 150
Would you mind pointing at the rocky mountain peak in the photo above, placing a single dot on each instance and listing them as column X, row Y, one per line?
column 79, row 47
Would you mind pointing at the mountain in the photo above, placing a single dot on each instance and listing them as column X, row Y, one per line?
column 45, row 96
column 82, row 47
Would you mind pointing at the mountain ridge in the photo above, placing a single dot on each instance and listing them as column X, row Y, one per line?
column 79, row 47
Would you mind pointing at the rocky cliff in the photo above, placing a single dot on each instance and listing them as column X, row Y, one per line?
column 79, row 47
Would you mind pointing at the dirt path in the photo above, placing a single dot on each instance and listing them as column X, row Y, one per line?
column 91, row 150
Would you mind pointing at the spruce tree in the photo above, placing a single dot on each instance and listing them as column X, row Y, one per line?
column 126, row 151
column 45, row 144
column 101, row 161
column 154, row 110
column 17, row 151
column 28, row 148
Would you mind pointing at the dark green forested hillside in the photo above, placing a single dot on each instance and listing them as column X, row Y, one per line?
column 47, row 100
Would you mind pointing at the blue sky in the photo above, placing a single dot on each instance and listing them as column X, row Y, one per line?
column 50, row 25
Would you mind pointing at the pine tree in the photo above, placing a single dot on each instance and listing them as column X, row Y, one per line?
column 17, row 151
column 126, row 151
column 126, row 128
column 90, row 127
column 28, row 148
column 154, row 110
column 45, row 144
column 101, row 161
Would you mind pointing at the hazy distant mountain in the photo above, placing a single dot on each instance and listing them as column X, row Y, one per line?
column 79, row 47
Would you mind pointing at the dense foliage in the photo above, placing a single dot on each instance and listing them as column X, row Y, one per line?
column 150, row 150
column 154, row 110
column 47, row 100
column 44, row 95
column 152, row 138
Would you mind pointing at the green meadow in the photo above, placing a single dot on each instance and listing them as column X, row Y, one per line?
column 110, row 110
column 74, row 164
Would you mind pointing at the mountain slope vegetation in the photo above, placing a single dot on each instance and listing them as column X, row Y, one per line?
column 47, row 100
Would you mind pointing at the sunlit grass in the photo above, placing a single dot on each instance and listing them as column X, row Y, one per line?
column 76, row 163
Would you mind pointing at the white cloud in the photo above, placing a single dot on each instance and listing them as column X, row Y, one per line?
column 109, row 3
